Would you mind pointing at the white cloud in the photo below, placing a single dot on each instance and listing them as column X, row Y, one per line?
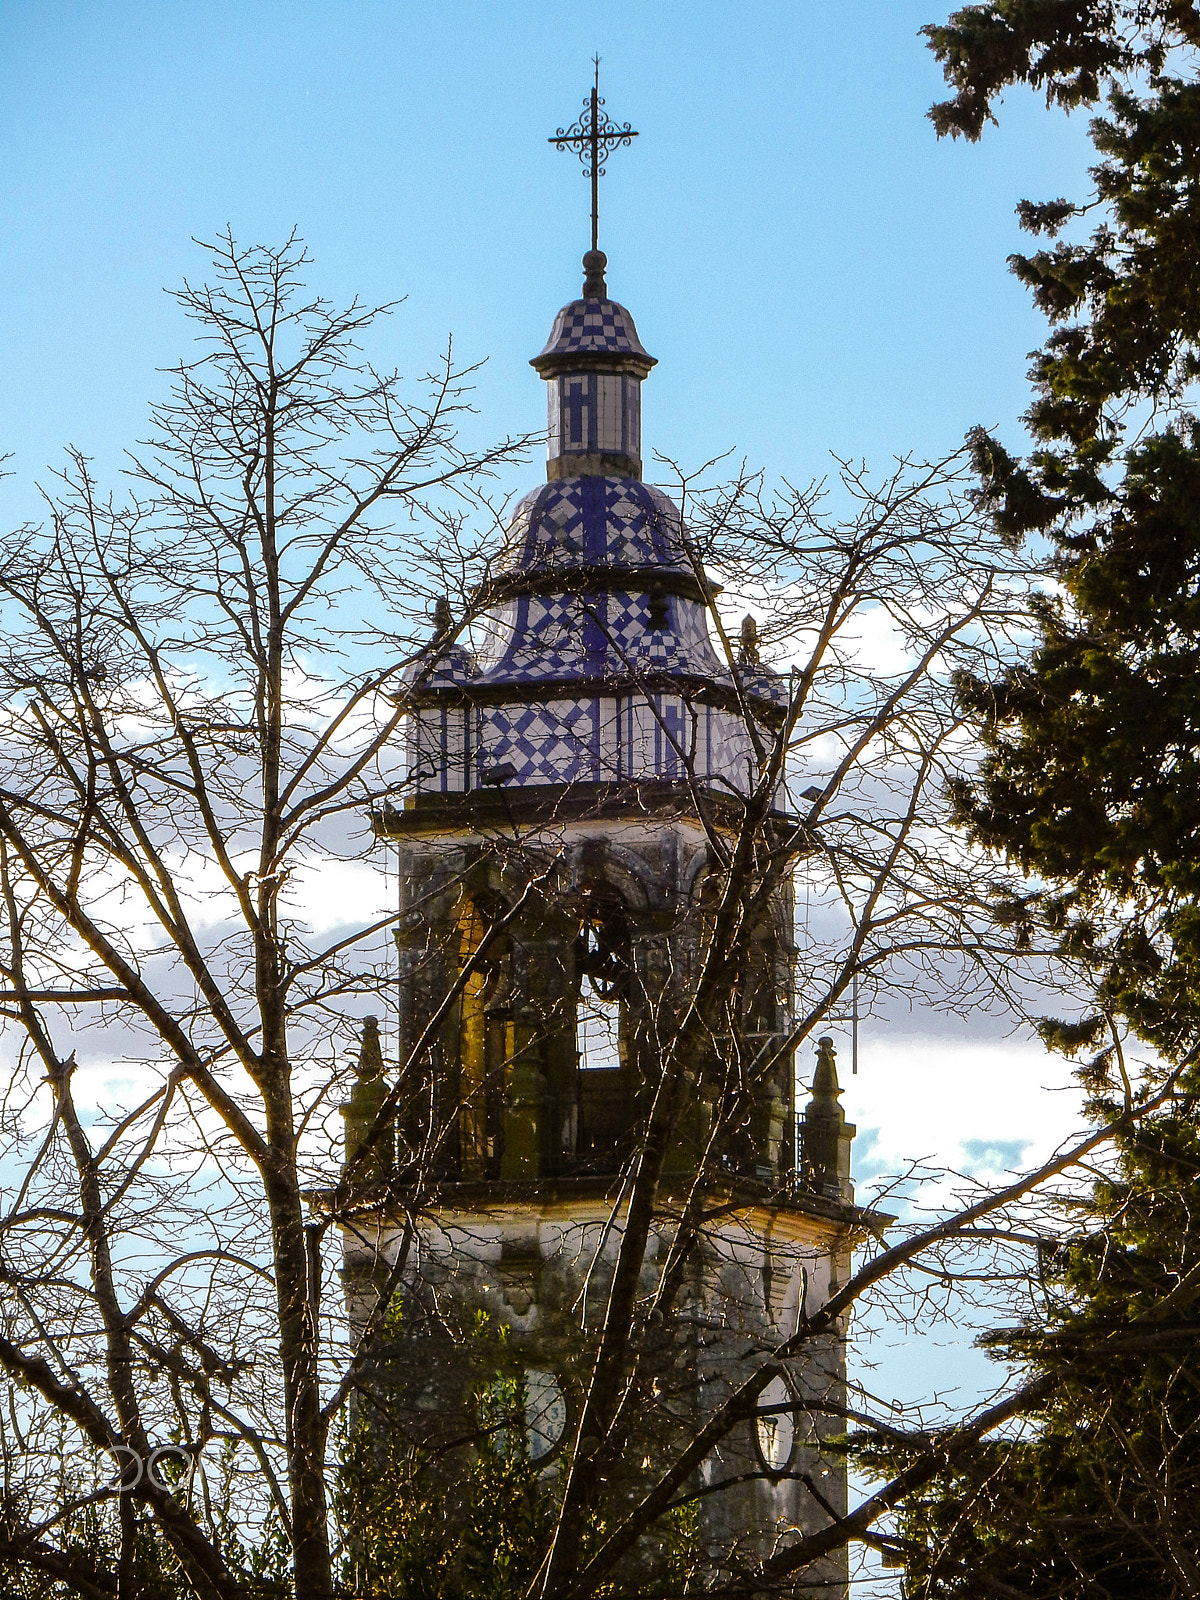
column 334, row 894
column 977, row 1106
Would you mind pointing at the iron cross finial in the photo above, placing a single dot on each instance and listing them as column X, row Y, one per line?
column 593, row 138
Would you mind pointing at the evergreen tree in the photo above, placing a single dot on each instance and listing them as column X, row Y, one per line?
column 1092, row 784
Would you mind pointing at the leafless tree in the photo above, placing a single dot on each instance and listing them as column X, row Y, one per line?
column 193, row 712
column 204, row 682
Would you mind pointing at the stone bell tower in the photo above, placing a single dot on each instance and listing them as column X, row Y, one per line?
column 576, row 757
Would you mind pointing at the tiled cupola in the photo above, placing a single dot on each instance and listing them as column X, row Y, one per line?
column 593, row 365
column 595, row 661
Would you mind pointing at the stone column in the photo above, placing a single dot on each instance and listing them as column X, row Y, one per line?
column 541, row 1098
column 662, row 964
column 427, row 941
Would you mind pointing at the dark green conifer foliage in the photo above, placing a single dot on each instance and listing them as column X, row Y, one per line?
column 1092, row 777
column 1092, row 784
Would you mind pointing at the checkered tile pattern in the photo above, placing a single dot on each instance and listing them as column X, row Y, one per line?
column 600, row 325
column 731, row 761
column 691, row 627
column 554, row 742
column 449, row 667
column 763, row 684
column 549, row 639
column 633, row 641
column 613, row 701
column 598, row 635
column 442, row 667
column 597, row 521
column 586, row 740
column 633, row 736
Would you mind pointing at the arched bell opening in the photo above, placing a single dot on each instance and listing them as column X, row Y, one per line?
column 538, row 1062
column 598, row 1027
column 557, row 1027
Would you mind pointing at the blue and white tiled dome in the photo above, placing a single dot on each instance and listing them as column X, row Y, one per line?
column 593, row 327
column 595, row 661
column 620, row 523
column 605, row 633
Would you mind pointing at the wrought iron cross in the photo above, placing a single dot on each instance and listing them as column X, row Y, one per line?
column 593, row 138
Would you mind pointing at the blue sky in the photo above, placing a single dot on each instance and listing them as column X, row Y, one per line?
column 813, row 268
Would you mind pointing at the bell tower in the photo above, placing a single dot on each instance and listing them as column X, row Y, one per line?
column 580, row 760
